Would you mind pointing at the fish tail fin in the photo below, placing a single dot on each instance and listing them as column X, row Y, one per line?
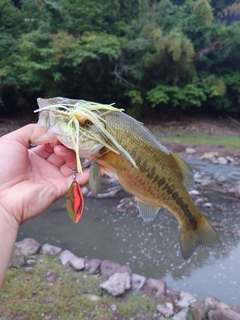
column 205, row 236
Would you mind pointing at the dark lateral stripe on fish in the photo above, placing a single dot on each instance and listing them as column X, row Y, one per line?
column 179, row 200
column 184, row 206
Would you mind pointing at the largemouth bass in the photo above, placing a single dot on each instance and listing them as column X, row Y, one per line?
column 127, row 151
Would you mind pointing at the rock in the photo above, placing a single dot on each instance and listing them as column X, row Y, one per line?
column 222, row 160
column 194, row 193
column 205, row 181
column 66, row 256
column 108, row 268
column 165, row 311
column 230, row 159
column 213, row 303
column 190, row 150
column 197, row 175
column 238, row 191
column 207, row 205
column 85, row 190
column 77, row 263
column 92, row 297
column 209, row 155
column 219, row 177
column 92, row 265
column 137, row 282
column 198, row 201
column 198, row 310
column 182, row 315
column 17, row 258
column 236, row 309
column 28, row 246
column 117, row 283
column 50, row 250
column 155, row 287
column 223, row 314
column 186, row 299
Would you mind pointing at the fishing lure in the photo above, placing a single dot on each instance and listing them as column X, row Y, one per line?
column 75, row 200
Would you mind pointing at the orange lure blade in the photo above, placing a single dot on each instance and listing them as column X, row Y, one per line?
column 75, row 202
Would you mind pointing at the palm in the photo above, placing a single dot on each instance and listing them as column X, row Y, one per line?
column 33, row 179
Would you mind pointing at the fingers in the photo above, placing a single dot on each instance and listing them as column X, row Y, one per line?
column 66, row 154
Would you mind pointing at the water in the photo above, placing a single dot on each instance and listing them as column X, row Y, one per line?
column 152, row 249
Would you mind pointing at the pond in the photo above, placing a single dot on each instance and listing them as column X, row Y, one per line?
column 152, row 249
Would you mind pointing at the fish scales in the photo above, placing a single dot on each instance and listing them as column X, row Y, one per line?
column 158, row 180
column 127, row 151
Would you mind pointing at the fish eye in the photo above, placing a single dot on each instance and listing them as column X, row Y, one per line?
column 87, row 123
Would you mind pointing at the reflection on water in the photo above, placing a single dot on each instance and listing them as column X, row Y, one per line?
column 152, row 249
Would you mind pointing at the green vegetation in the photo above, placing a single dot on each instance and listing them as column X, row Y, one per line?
column 141, row 54
column 205, row 139
column 50, row 291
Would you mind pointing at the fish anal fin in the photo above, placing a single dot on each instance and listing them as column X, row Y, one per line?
column 205, row 236
column 186, row 170
column 147, row 211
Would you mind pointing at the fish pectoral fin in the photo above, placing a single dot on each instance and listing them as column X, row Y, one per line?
column 205, row 236
column 147, row 211
column 95, row 178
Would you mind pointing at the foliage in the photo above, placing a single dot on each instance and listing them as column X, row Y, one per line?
column 139, row 54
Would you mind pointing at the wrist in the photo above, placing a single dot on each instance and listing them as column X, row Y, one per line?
column 8, row 219
column 8, row 234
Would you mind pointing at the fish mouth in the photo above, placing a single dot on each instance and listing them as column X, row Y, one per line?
column 42, row 134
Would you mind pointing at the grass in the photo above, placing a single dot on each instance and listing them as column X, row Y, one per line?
column 198, row 139
column 49, row 291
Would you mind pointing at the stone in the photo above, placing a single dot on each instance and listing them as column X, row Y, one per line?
column 213, row 303
column 165, row 311
column 222, row 160
column 28, row 246
column 230, row 159
column 92, row 265
column 236, row 309
column 238, row 191
column 182, row 315
column 209, row 155
column 137, row 282
column 223, row 314
column 155, row 287
column 197, row 175
column 92, row 297
column 50, row 250
column 117, row 283
column 17, row 259
column 108, row 268
column 65, row 256
column 207, row 205
column 190, row 150
column 77, row 263
column 198, row 310
column 221, row 178
column 185, row 300
column 194, row 193
column 206, row 180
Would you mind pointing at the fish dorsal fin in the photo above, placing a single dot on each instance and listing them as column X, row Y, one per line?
column 186, row 170
column 147, row 211
column 95, row 178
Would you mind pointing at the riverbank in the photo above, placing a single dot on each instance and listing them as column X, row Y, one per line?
column 30, row 284
column 45, row 282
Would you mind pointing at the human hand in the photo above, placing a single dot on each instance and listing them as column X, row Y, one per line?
column 30, row 180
